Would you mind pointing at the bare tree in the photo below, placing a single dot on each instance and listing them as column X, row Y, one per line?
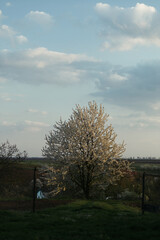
column 84, row 152
column 10, row 153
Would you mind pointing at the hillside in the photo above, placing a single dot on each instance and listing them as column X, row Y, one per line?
column 81, row 220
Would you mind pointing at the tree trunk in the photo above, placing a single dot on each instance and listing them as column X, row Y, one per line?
column 86, row 192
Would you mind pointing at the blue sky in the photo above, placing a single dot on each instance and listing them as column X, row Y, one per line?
column 56, row 54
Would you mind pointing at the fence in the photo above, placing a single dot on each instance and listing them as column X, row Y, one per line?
column 150, row 192
column 19, row 186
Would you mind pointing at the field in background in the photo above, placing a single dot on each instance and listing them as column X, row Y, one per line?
column 138, row 164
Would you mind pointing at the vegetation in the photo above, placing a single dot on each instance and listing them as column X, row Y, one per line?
column 84, row 152
column 16, row 181
column 81, row 220
column 10, row 153
column 11, row 175
column 85, row 158
column 146, row 167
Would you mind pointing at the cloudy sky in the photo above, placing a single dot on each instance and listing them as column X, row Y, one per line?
column 56, row 54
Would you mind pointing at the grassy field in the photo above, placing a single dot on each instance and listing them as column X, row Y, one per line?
column 146, row 167
column 81, row 220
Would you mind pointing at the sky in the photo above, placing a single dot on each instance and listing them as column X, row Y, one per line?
column 56, row 54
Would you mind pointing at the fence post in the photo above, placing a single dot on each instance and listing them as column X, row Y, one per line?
column 34, row 190
column 143, row 190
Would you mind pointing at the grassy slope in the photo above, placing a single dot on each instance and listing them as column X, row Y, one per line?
column 81, row 220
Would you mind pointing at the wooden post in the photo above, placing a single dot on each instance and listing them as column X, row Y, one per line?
column 34, row 190
column 143, row 191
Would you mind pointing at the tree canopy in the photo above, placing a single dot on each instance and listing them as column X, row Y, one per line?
column 84, row 152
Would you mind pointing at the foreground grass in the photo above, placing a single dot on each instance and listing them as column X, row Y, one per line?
column 80, row 220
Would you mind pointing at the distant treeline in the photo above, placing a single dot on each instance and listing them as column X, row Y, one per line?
column 144, row 160
column 136, row 160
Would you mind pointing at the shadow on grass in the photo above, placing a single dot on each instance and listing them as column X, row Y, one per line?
column 87, row 220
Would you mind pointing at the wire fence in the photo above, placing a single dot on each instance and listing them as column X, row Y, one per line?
column 21, row 188
column 16, row 187
column 150, row 192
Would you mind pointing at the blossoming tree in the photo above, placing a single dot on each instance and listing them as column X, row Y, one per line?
column 84, row 152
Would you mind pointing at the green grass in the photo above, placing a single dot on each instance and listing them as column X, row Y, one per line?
column 81, row 220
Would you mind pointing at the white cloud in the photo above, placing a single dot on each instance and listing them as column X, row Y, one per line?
column 125, row 28
column 137, row 120
column 34, row 129
column 143, row 15
column 43, row 112
column 33, row 126
column 154, row 120
column 7, row 32
column 8, row 4
column 3, row 80
column 156, row 106
column 8, row 124
column 40, row 17
column 145, row 121
column 135, row 87
column 31, row 110
column 36, row 66
column 5, row 97
column 58, row 57
column 19, row 95
column 22, row 39
column 117, row 77
column 36, row 124
column 25, row 126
